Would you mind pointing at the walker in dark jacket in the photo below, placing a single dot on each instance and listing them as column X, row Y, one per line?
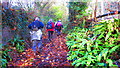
column 58, row 28
column 50, row 31
column 36, row 35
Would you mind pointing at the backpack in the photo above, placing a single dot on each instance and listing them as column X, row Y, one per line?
column 49, row 25
column 59, row 24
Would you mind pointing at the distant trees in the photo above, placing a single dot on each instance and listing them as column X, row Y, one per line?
column 17, row 15
column 77, row 10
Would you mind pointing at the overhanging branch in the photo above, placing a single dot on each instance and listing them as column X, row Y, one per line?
column 111, row 13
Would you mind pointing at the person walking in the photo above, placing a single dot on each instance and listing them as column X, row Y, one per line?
column 50, row 28
column 58, row 27
column 36, row 34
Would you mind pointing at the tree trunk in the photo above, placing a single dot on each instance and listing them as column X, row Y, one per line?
column 95, row 10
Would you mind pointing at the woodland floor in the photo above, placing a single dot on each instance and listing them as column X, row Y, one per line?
column 53, row 53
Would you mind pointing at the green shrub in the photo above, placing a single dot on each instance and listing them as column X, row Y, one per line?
column 3, row 63
column 94, row 47
column 5, row 58
column 17, row 43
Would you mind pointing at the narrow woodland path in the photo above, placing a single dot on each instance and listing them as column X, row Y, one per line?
column 53, row 54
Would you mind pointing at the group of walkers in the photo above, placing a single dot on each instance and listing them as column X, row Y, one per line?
column 51, row 27
column 36, row 31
